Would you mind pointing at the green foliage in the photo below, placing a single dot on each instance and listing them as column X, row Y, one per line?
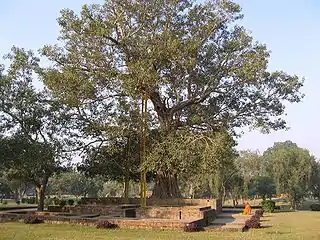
column 5, row 202
column 291, row 168
column 31, row 200
column 315, row 180
column 48, row 202
column 31, row 122
column 268, row 205
column 201, row 71
column 62, row 203
column 115, row 161
column 74, row 183
column 70, row 202
column 190, row 152
column 315, row 207
column 262, row 186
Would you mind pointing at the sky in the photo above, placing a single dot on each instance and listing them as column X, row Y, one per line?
column 289, row 28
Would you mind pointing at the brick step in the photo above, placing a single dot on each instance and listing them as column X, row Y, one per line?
column 228, row 221
column 227, row 215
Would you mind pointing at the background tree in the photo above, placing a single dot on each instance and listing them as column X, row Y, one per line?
column 262, row 186
column 251, row 165
column 291, row 168
column 315, row 180
column 75, row 184
column 197, row 66
column 31, row 123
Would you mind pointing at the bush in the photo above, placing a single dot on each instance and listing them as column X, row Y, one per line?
column 259, row 212
column 70, row 202
column 81, row 201
column 253, row 222
column 315, row 207
column 56, row 201
column 18, row 202
column 191, row 227
column 105, row 224
column 48, row 202
column 33, row 219
column 23, row 200
column 31, row 200
column 62, row 203
column 5, row 202
column 268, row 205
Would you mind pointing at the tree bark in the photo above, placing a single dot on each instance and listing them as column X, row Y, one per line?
column 40, row 189
column 40, row 196
column 126, row 186
column 166, row 186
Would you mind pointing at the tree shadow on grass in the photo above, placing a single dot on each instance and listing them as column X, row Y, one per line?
column 264, row 220
column 266, row 226
column 277, row 233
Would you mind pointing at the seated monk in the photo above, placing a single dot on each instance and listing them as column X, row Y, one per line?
column 247, row 209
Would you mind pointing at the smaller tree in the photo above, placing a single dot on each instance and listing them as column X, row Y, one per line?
column 30, row 162
column 76, row 184
column 291, row 169
column 315, row 180
column 32, row 123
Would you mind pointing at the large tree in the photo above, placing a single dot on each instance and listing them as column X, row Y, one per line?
column 197, row 66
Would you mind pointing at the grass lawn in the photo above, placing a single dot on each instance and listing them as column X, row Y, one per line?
column 295, row 225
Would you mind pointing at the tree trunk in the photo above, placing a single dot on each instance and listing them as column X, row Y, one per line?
column 40, row 196
column 166, row 186
column 126, row 186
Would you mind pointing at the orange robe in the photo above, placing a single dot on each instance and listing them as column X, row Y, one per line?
column 247, row 209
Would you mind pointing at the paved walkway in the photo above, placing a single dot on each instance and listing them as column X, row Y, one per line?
column 229, row 220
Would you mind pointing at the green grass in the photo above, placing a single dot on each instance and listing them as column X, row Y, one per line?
column 294, row 225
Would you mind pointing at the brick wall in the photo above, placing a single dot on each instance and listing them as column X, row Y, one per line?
column 177, row 213
column 214, row 203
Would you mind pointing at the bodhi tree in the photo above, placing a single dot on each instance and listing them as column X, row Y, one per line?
column 31, row 123
column 198, row 67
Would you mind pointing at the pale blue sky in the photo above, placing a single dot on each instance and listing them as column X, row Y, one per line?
column 290, row 28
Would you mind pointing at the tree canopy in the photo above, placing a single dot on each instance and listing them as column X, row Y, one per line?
column 198, row 67
column 31, row 123
column 291, row 168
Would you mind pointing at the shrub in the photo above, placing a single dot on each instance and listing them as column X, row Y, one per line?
column 23, row 200
column 259, row 212
column 253, row 222
column 18, row 202
column 70, row 202
column 62, row 203
column 105, row 224
column 81, row 201
column 191, row 227
column 5, row 202
column 33, row 219
column 56, row 201
column 48, row 202
column 268, row 205
column 31, row 200
column 315, row 207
